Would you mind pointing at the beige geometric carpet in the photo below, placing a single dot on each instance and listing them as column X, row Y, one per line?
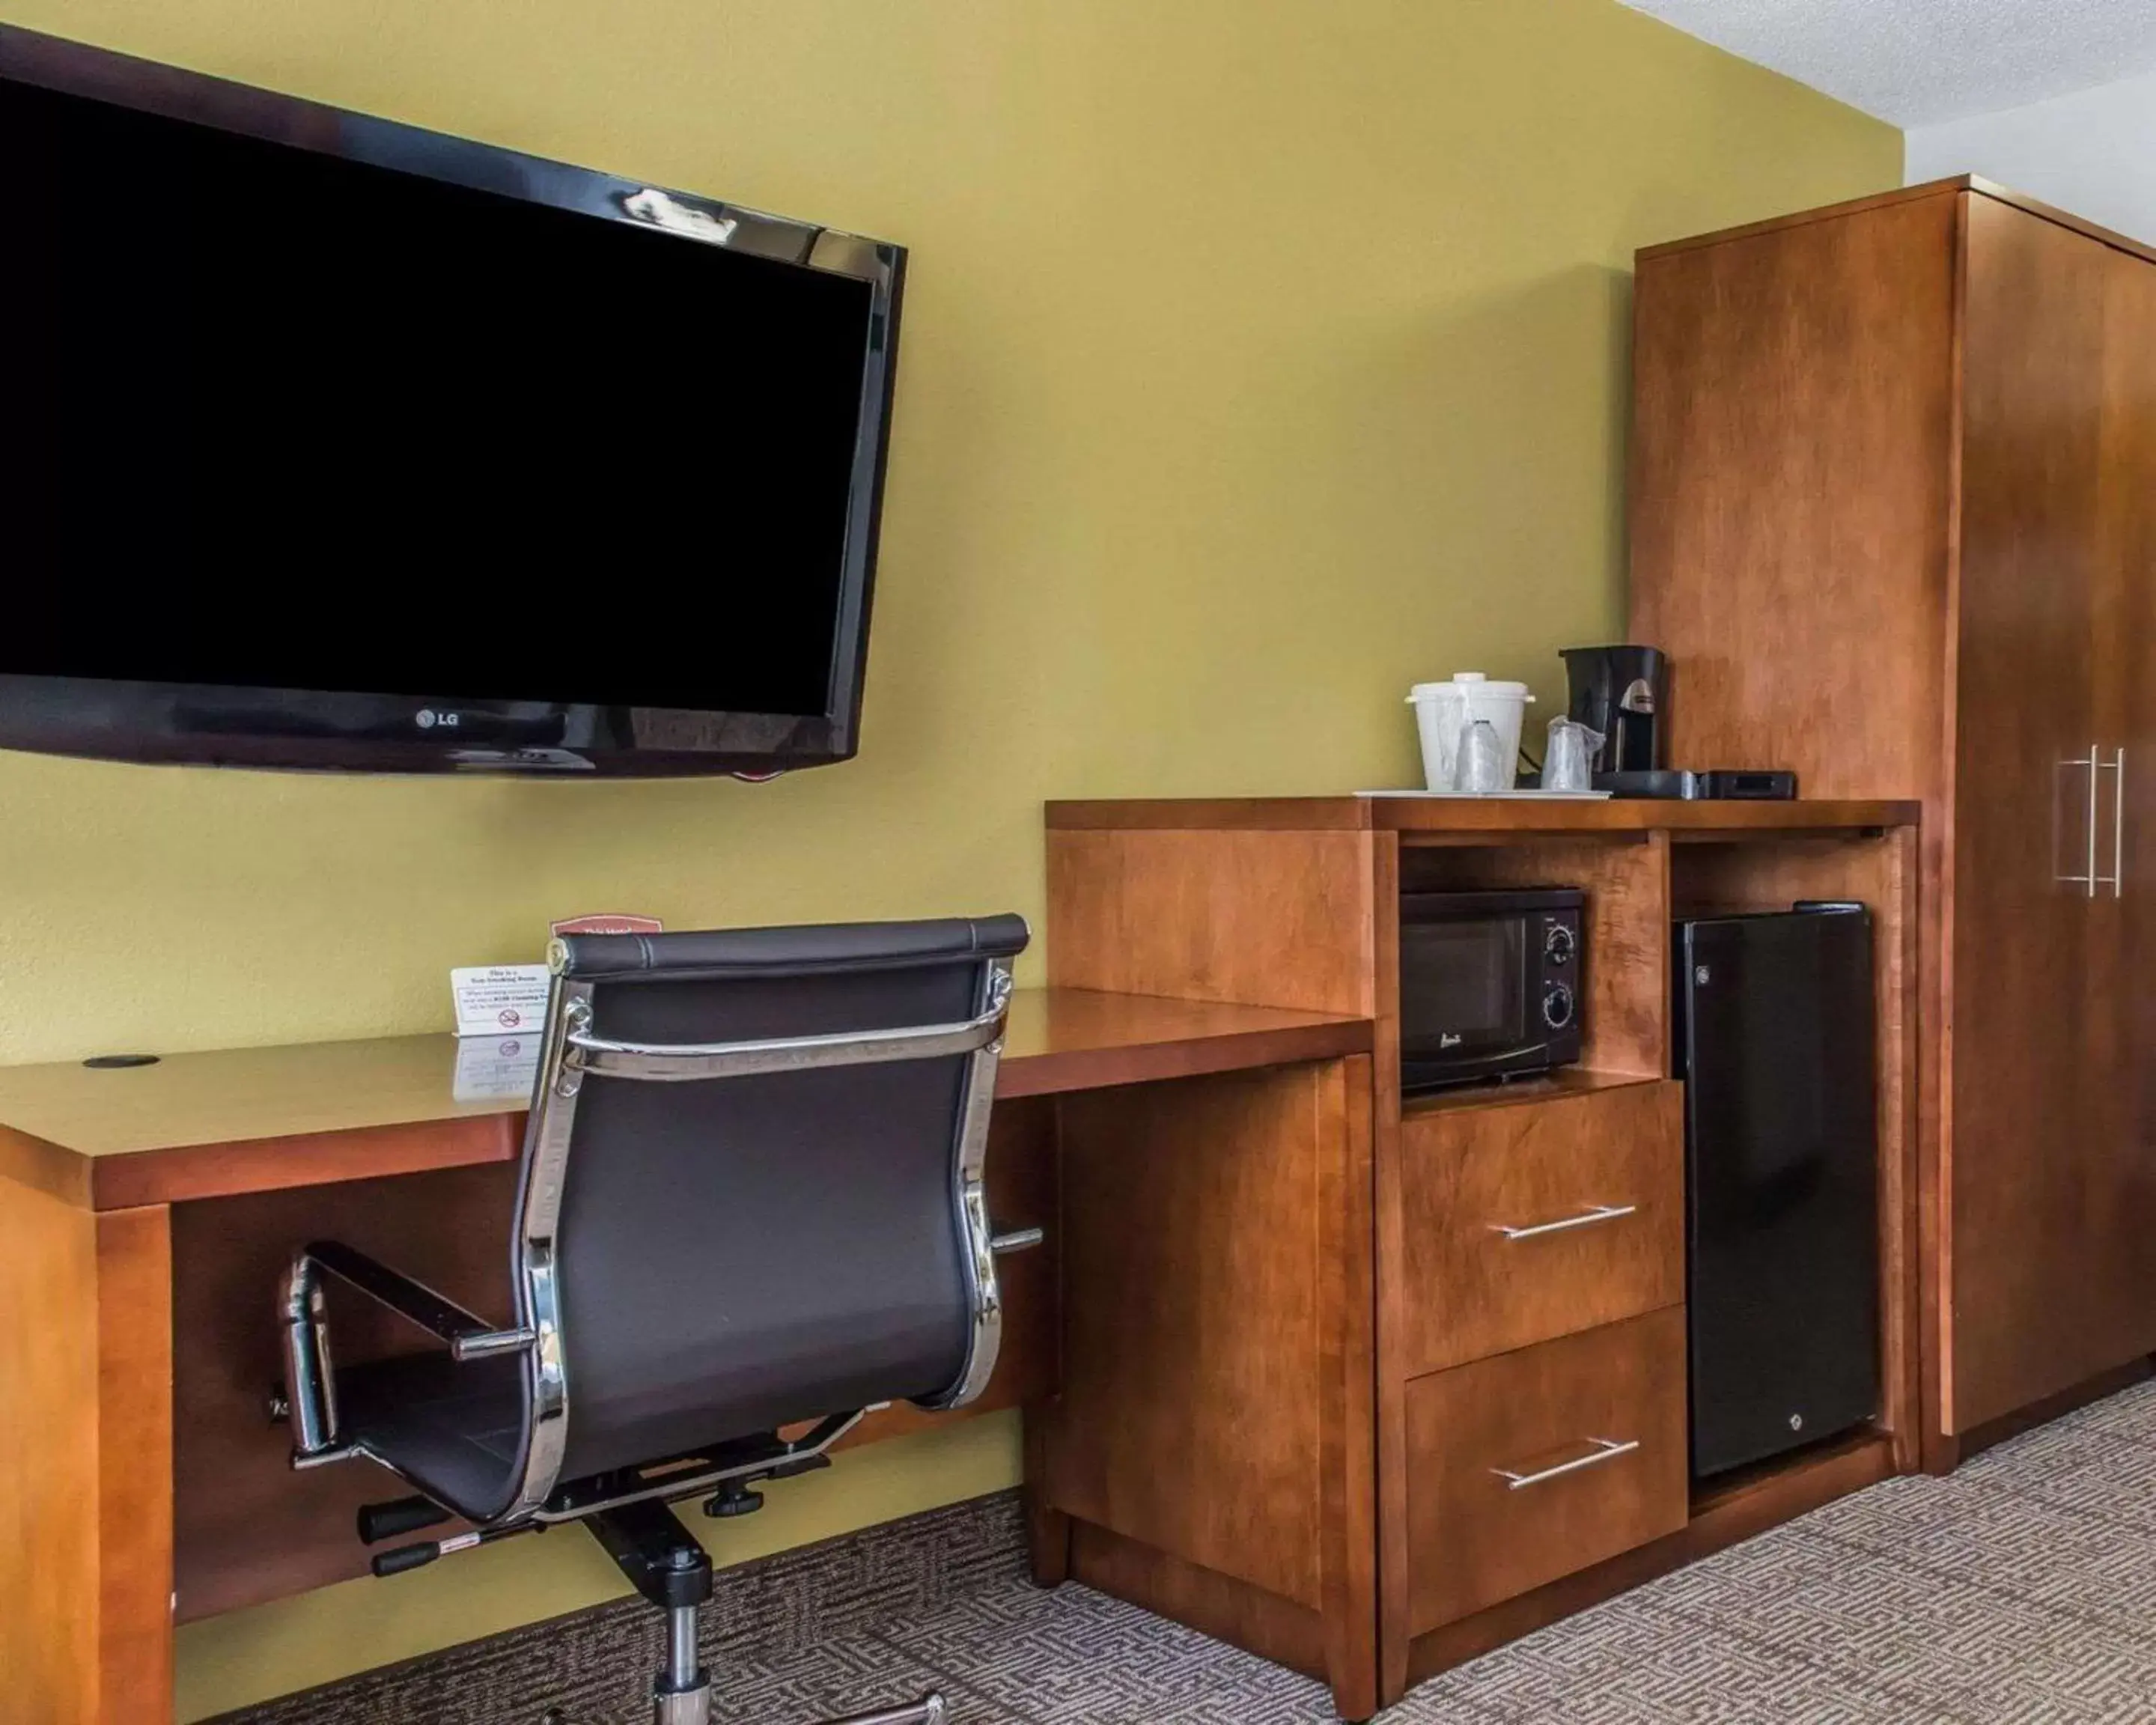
column 2022, row 1590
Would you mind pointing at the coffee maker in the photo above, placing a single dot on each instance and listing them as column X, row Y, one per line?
column 1623, row 693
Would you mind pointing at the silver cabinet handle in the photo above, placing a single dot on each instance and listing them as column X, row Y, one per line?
column 1586, row 1218
column 2116, row 880
column 1017, row 1239
column 2092, row 764
column 1606, row 1449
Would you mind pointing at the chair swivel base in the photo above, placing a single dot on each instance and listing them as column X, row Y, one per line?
column 663, row 1562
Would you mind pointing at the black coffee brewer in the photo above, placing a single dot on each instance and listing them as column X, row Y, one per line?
column 1622, row 693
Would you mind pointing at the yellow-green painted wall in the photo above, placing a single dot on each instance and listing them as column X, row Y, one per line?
column 1261, row 358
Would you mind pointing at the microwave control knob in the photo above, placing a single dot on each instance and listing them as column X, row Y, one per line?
column 1557, row 1006
column 1559, row 944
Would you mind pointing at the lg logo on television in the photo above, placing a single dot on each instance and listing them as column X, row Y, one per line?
column 427, row 719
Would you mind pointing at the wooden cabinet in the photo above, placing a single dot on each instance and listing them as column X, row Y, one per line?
column 1528, row 1467
column 1538, row 1216
column 2126, row 574
column 2030, row 808
column 1374, row 1411
column 1893, row 468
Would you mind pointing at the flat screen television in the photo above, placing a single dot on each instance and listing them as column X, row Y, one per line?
column 326, row 442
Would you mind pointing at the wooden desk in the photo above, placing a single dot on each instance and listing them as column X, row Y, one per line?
column 145, row 1212
column 243, row 1119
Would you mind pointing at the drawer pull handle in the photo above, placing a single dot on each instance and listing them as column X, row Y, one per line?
column 1586, row 1218
column 1606, row 1449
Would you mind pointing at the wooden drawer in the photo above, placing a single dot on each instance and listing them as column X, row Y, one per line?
column 1527, row 1220
column 1526, row 1467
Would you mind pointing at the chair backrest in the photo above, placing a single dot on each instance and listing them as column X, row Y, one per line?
column 752, row 1185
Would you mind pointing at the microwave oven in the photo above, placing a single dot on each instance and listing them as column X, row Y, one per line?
column 1490, row 984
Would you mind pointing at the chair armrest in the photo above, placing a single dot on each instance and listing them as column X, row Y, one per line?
column 310, row 1390
column 469, row 1336
column 415, row 1302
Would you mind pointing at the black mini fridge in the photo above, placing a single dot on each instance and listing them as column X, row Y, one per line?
column 1775, row 1043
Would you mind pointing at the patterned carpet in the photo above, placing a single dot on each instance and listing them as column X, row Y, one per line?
column 2022, row 1589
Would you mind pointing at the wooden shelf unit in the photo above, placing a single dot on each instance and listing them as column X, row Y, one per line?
column 1294, row 902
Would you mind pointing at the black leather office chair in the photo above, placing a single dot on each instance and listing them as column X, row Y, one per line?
column 751, row 1201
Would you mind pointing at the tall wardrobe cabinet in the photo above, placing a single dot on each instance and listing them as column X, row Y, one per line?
column 1894, row 517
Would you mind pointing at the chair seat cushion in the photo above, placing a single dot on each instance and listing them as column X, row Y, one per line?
column 455, row 1431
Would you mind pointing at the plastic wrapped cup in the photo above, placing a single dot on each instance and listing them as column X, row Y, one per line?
column 1568, row 762
column 1482, row 766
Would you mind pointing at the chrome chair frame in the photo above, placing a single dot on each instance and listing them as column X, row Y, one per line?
column 572, row 1057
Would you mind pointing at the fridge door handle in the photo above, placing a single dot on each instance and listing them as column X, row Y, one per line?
column 1606, row 1449
column 1586, row 1218
column 2092, row 764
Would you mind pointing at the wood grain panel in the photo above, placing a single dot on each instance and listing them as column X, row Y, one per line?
column 1347, row 1389
column 1394, row 1634
column 1474, row 820
column 1195, row 1327
column 1929, row 189
column 58, row 1172
column 1213, row 1446
column 2126, row 671
column 1063, row 1040
column 240, row 1094
column 159, row 1134
column 2131, row 250
column 1477, row 1538
column 1049, row 1532
column 1285, row 814
column 1265, row 919
column 49, row 1485
column 135, row 1466
column 1773, row 874
column 2031, row 1188
column 1470, row 1291
column 1625, row 931
column 250, row 1529
column 1909, row 1157
column 1791, row 454
column 1213, row 1604
column 2102, row 1387
column 1815, row 1478
column 192, row 1171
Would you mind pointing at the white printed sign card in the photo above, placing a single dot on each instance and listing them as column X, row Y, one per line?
column 500, row 999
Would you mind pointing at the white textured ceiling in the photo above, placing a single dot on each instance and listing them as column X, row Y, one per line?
column 1915, row 62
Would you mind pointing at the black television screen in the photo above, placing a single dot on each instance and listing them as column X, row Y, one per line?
column 327, row 442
